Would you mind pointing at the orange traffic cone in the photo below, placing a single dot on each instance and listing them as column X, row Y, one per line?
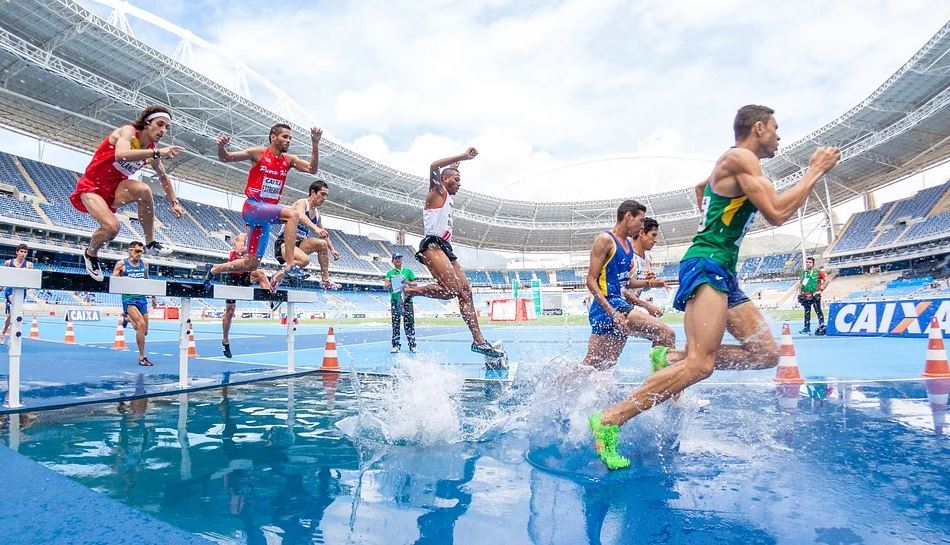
column 70, row 337
column 937, row 393
column 330, row 381
column 119, row 342
column 35, row 329
column 330, row 360
column 787, row 370
column 192, row 350
column 936, row 365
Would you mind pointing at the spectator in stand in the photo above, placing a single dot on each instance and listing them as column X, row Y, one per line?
column 810, row 286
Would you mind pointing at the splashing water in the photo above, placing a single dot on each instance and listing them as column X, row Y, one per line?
column 418, row 404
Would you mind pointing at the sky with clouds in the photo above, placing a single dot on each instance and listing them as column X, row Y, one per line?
column 559, row 88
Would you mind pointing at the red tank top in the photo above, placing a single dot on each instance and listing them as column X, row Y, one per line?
column 265, row 181
column 231, row 257
column 105, row 169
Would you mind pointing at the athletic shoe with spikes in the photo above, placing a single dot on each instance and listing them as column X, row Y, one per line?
column 605, row 442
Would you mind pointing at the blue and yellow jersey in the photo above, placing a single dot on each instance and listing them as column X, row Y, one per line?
column 616, row 270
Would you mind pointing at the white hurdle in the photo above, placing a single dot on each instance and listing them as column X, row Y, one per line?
column 295, row 297
column 22, row 279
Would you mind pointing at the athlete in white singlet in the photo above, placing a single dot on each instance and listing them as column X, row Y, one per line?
column 435, row 249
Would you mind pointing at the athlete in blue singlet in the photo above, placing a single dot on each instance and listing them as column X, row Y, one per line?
column 611, row 258
column 18, row 262
column 306, row 244
column 135, row 306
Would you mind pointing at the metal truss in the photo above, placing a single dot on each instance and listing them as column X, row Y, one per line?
column 210, row 108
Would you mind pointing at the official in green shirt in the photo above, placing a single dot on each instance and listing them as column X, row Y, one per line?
column 396, row 279
column 810, row 285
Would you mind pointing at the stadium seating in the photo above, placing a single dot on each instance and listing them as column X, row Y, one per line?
column 916, row 217
column 13, row 208
column 10, row 174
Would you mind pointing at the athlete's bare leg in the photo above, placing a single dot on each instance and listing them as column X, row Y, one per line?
column 290, row 217
column 141, row 327
column 603, row 351
column 248, row 263
column 449, row 282
column 258, row 276
column 229, row 309
column 648, row 327
column 705, row 321
column 108, row 222
column 129, row 191
column 322, row 249
column 757, row 348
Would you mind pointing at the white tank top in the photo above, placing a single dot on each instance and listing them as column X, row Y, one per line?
column 640, row 267
column 438, row 221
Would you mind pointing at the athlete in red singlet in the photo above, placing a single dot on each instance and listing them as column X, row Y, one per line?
column 105, row 186
column 265, row 184
column 239, row 278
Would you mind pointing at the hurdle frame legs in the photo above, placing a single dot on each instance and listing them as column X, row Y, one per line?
column 184, row 329
column 291, row 332
column 16, row 348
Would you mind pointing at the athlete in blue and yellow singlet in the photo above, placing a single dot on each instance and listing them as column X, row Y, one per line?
column 611, row 260
column 611, row 281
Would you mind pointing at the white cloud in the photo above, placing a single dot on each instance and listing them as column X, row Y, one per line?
column 539, row 84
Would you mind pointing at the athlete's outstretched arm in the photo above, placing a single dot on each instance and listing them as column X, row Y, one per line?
column 225, row 156
column 435, row 169
column 125, row 152
column 167, row 186
column 311, row 166
column 776, row 207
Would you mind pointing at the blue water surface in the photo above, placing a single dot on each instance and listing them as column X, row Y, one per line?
column 324, row 459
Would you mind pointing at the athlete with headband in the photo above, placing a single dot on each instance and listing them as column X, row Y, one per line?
column 265, row 184
column 106, row 184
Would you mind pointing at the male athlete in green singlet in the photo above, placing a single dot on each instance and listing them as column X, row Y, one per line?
column 708, row 290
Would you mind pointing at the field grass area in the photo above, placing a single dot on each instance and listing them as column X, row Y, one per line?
column 669, row 318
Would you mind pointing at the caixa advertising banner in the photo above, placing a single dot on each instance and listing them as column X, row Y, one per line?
column 888, row 318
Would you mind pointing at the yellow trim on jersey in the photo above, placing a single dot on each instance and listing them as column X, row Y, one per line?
column 135, row 144
column 730, row 210
column 602, row 278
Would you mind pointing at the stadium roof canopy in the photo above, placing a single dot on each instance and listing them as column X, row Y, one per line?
column 68, row 76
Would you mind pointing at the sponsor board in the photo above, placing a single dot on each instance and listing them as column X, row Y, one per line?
column 906, row 318
column 74, row 315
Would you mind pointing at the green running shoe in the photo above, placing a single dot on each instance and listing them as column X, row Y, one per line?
column 658, row 358
column 605, row 442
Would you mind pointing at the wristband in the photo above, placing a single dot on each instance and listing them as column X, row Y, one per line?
column 156, row 154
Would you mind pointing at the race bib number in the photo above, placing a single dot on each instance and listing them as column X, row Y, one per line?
column 702, row 212
column 271, row 188
column 128, row 168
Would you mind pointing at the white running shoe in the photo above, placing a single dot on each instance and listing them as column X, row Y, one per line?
column 155, row 248
column 92, row 267
column 394, row 349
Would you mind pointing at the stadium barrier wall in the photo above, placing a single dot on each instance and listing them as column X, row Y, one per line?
column 902, row 318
